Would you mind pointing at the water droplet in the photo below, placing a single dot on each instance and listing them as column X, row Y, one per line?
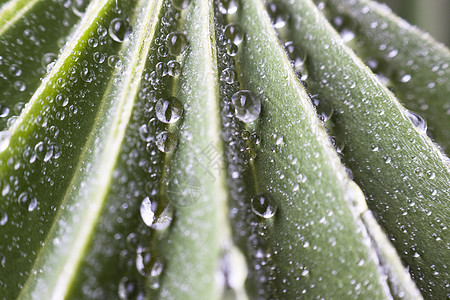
column 43, row 151
column 246, row 106
column 228, row 6
column 324, row 109
column 147, row 213
column 393, row 53
column 99, row 57
column 119, row 29
column 128, row 290
column 232, row 49
column 169, row 111
column 47, row 60
column 181, row 4
column 417, row 120
column 145, row 133
column 27, row 200
column 15, row 70
column 176, row 43
column 264, row 205
column 148, row 265
column 5, row 137
column 114, row 61
column 405, row 78
column 87, row 75
column 296, row 56
column 278, row 15
column 62, row 99
column 173, row 68
column 3, row 218
column 79, row 7
column 233, row 33
column 228, row 75
column 166, row 141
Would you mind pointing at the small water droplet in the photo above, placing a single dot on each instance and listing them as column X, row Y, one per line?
column 169, row 110
column 228, row 75
column 147, row 213
column 324, row 109
column 405, row 78
column 232, row 49
column 233, row 33
column 15, row 70
column 79, row 7
column 181, row 4
column 119, row 29
column 173, row 68
column 417, row 120
column 128, row 290
column 247, row 106
column 166, row 141
column 5, row 137
column 3, row 218
column 278, row 14
column 148, row 265
column 62, row 99
column 264, row 205
column 228, row 6
column 176, row 43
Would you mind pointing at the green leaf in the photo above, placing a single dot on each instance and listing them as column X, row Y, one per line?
column 403, row 174
column 136, row 171
column 417, row 65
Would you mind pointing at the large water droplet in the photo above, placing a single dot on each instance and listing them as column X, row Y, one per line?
column 169, row 110
column 417, row 120
column 176, row 43
column 166, row 141
column 264, row 205
column 147, row 213
column 119, row 29
column 246, row 106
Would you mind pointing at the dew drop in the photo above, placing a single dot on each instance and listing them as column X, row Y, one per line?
column 181, row 4
column 5, row 137
column 278, row 15
column 169, row 111
column 232, row 49
column 176, row 43
column 148, row 265
column 173, row 68
column 129, row 290
column 3, row 218
column 15, row 70
column 417, row 120
column 166, row 141
column 296, row 56
column 264, row 205
column 324, row 109
column 147, row 213
column 246, row 106
column 62, row 100
column 228, row 75
column 228, row 6
column 79, row 7
column 405, row 78
column 119, row 29
column 233, row 33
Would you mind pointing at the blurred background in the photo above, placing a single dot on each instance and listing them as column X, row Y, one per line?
column 432, row 16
